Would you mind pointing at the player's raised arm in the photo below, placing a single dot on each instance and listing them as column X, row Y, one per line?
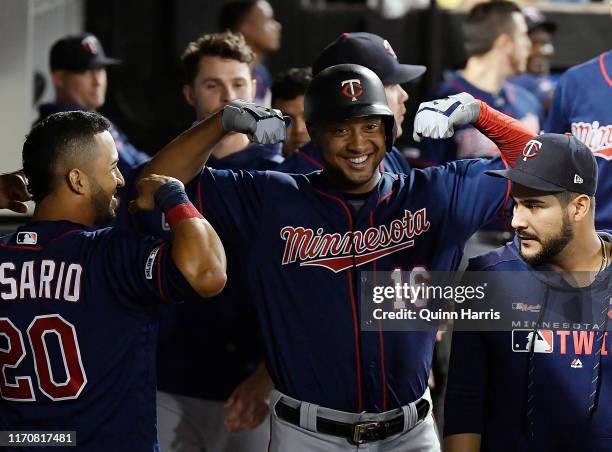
column 184, row 156
column 438, row 119
column 196, row 248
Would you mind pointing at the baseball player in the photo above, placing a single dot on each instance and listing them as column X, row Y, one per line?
column 78, row 71
column 225, row 409
column 288, row 90
column 497, row 46
column 375, row 53
column 304, row 239
column 13, row 192
column 78, row 314
column 217, row 69
column 537, row 78
column 254, row 19
column 540, row 389
column 581, row 105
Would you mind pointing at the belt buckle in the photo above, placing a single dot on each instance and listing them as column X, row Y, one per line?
column 365, row 428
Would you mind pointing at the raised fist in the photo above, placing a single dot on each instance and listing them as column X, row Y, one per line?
column 438, row 118
column 147, row 186
column 262, row 125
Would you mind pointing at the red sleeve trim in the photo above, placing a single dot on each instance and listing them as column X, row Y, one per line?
column 602, row 66
column 182, row 212
column 509, row 135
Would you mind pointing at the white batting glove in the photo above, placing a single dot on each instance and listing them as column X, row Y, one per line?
column 262, row 125
column 438, row 118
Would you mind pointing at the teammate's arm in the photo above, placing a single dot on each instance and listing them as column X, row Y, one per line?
column 508, row 134
column 196, row 249
column 184, row 156
column 14, row 192
column 464, row 442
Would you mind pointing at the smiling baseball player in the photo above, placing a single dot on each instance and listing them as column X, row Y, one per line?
column 303, row 241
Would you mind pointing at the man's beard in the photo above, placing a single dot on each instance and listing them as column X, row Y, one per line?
column 101, row 204
column 551, row 246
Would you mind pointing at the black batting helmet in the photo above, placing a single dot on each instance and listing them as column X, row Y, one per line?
column 348, row 91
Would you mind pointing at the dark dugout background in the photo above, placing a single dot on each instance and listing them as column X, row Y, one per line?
column 145, row 97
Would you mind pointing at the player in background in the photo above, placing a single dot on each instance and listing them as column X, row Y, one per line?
column 78, row 71
column 375, row 53
column 540, row 389
column 497, row 45
column 79, row 306
column 254, row 19
column 581, row 105
column 212, row 384
column 218, row 69
column 14, row 192
column 288, row 91
column 537, row 78
column 328, row 374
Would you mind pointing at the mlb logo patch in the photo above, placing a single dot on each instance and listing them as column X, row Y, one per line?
column 27, row 238
column 521, row 341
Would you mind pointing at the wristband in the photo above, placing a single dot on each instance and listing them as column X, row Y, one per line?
column 171, row 199
column 180, row 213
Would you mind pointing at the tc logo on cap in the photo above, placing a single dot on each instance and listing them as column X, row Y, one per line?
column 352, row 88
column 531, row 149
column 90, row 44
column 389, row 49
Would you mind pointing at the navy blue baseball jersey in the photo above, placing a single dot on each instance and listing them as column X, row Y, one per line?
column 129, row 156
column 489, row 376
column 302, row 249
column 468, row 142
column 308, row 159
column 582, row 106
column 78, row 331
column 255, row 157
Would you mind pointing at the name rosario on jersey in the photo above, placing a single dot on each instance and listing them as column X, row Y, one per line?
column 312, row 247
column 40, row 279
column 597, row 138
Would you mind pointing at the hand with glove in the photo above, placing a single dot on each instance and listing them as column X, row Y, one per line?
column 438, row 118
column 262, row 125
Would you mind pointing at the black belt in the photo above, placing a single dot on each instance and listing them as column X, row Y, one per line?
column 357, row 433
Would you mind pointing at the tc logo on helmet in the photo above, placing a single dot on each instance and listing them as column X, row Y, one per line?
column 531, row 149
column 352, row 88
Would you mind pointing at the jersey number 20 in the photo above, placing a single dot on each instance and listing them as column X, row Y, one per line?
column 43, row 325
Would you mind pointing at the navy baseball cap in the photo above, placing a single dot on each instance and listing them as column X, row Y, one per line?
column 554, row 163
column 371, row 51
column 79, row 53
column 535, row 19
